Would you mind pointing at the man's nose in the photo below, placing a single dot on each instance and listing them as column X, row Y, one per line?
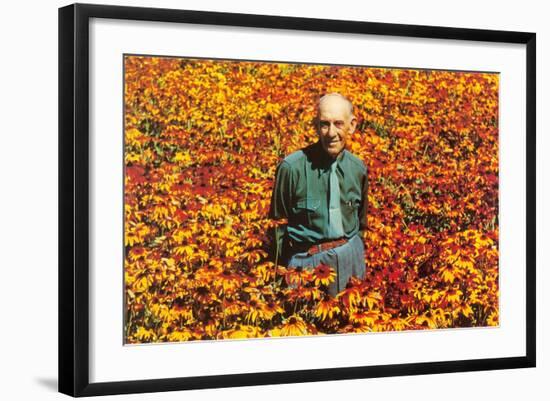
column 331, row 129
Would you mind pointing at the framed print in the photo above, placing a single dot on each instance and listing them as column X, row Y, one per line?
column 250, row 199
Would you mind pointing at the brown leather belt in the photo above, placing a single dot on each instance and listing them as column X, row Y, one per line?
column 325, row 246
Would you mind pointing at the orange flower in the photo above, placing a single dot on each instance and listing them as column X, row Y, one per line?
column 464, row 309
column 208, row 271
column 350, row 297
column 362, row 317
column 270, row 309
column 323, row 275
column 231, row 308
column 293, row 294
column 327, row 308
column 297, row 276
column 228, row 280
column 311, row 293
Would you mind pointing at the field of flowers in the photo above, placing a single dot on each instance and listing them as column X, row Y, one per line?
column 202, row 141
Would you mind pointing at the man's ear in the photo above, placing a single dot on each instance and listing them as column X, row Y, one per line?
column 353, row 124
column 315, row 123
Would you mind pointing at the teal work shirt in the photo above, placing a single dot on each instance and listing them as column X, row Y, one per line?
column 302, row 195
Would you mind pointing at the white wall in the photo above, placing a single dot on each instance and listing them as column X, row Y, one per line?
column 28, row 200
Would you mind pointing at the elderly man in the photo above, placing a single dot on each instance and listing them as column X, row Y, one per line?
column 322, row 192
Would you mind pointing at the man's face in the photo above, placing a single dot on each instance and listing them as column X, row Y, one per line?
column 335, row 125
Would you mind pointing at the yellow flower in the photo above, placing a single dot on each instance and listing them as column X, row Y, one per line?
column 398, row 323
column 356, row 327
column 144, row 334
column 270, row 309
column 327, row 307
column 294, row 326
column 371, row 299
column 493, row 319
column 183, row 335
column 465, row 309
column 449, row 272
column 426, row 320
column 453, row 295
column 241, row 331
column 323, row 275
column 465, row 261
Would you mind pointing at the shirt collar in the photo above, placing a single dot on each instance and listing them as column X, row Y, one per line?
column 326, row 161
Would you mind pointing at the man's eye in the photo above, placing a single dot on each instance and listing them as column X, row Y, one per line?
column 338, row 124
column 324, row 124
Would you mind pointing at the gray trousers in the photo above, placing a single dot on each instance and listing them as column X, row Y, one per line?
column 347, row 260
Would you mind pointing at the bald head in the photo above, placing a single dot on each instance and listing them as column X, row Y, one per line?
column 335, row 98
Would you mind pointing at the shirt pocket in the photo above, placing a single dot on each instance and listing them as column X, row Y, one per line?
column 350, row 212
column 307, row 204
column 305, row 209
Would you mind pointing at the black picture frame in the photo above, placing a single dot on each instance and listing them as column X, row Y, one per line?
column 74, row 194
